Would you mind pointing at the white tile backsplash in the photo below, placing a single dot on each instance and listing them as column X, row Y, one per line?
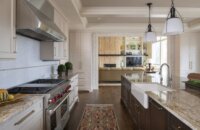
column 27, row 66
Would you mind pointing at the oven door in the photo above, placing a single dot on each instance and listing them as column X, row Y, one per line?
column 57, row 115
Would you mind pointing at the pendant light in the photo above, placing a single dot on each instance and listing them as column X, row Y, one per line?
column 174, row 22
column 150, row 35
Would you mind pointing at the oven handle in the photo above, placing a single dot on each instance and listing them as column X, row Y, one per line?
column 51, row 111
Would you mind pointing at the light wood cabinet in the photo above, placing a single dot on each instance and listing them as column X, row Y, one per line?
column 81, row 58
column 7, row 29
column 30, row 119
column 56, row 50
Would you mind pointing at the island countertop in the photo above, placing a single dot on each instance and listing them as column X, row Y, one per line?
column 182, row 103
column 23, row 102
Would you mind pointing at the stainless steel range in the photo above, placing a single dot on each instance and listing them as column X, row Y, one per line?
column 56, row 92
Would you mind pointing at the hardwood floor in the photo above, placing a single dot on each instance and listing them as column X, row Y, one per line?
column 105, row 95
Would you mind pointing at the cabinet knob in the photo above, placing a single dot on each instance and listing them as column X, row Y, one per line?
column 179, row 127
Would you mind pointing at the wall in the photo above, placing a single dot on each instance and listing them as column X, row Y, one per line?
column 189, row 53
column 173, row 55
column 27, row 66
column 183, row 54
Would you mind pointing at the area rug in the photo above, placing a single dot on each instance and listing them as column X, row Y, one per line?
column 98, row 117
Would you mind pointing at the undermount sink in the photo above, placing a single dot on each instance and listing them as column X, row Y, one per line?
column 139, row 89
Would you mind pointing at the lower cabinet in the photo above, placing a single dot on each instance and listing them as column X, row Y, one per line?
column 153, row 118
column 125, row 92
column 138, row 114
column 158, row 116
column 160, row 119
column 30, row 119
column 73, row 96
column 175, row 124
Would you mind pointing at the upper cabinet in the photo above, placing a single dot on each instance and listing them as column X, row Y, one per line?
column 7, row 29
column 56, row 50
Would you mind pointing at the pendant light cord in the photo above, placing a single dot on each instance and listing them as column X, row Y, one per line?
column 172, row 3
column 149, row 4
column 149, row 26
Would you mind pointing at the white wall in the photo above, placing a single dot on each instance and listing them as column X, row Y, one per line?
column 184, row 54
column 189, row 53
column 27, row 66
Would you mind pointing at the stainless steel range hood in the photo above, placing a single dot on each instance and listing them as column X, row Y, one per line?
column 35, row 20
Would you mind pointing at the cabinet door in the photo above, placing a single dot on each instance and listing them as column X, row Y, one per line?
column 134, row 111
column 158, row 116
column 7, row 29
column 36, row 123
column 66, row 43
column 176, row 124
column 142, row 117
column 122, row 90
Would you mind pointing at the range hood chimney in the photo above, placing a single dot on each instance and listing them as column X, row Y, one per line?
column 35, row 20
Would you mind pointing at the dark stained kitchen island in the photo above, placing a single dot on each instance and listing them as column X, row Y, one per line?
column 168, row 110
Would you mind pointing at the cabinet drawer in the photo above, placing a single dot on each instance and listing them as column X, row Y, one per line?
column 26, row 116
column 71, row 97
column 176, row 124
column 75, row 91
column 74, row 82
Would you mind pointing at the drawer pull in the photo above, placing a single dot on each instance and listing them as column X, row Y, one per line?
column 24, row 118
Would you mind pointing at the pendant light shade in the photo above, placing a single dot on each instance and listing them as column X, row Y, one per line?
column 174, row 23
column 150, row 35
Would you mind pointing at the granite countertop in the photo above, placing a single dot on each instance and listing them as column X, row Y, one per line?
column 23, row 102
column 182, row 103
column 70, row 75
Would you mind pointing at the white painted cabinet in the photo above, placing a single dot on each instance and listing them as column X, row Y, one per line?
column 7, row 29
column 56, row 50
column 73, row 97
column 81, row 58
column 30, row 119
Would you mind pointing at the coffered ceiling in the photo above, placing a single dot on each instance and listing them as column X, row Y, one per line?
column 138, row 3
column 127, row 15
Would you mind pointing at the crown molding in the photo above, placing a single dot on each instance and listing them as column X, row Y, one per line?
column 78, row 6
column 53, row 3
column 157, row 12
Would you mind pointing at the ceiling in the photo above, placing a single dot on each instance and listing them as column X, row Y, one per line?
column 127, row 15
column 138, row 3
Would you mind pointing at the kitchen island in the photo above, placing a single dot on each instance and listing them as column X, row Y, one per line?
column 167, row 110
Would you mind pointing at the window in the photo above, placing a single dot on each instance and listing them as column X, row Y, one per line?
column 159, row 51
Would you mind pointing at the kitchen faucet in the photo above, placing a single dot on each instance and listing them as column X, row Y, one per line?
column 169, row 77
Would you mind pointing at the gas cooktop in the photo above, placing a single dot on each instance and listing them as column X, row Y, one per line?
column 29, row 90
column 40, row 86
column 47, row 81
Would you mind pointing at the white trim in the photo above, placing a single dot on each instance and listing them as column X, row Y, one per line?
column 95, row 56
column 157, row 12
column 59, row 10
column 95, row 60
column 78, row 6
